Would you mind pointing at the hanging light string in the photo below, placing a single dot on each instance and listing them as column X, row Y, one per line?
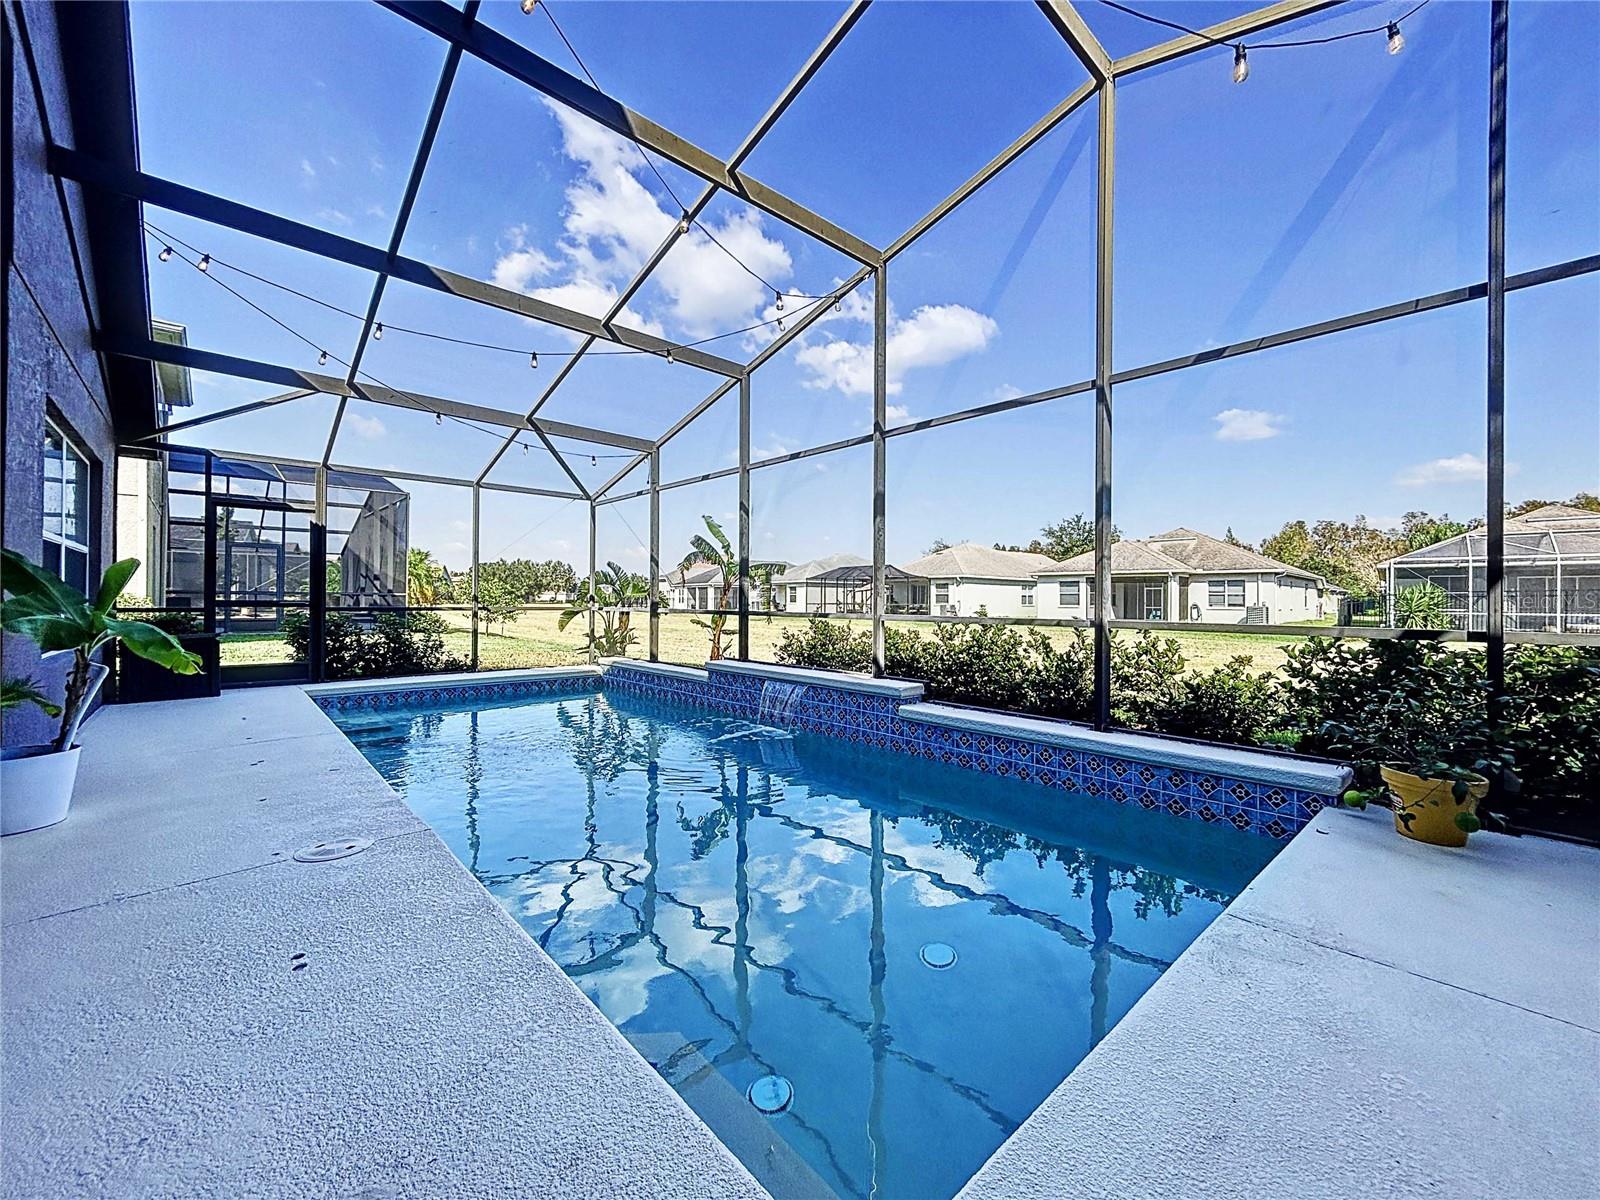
column 1241, row 62
column 169, row 240
column 323, row 356
column 684, row 220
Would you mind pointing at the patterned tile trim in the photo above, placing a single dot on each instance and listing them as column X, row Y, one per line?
column 1270, row 811
column 458, row 693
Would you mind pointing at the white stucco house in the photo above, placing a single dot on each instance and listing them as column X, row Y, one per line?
column 697, row 587
column 842, row 583
column 970, row 580
column 1184, row 575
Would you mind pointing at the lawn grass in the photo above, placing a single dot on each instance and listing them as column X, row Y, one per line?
column 532, row 640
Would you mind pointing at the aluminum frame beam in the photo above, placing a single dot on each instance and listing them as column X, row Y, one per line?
column 204, row 206
column 312, row 381
column 543, row 76
column 408, row 200
column 751, row 140
column 1076, row 33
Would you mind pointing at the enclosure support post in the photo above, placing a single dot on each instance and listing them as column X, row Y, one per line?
column 655, row 555
column 1495, row 500
column 477, row 494
column 1102, row 408
column 744, row 517
column 594, row 579
column 880, row 461
column 317, row 625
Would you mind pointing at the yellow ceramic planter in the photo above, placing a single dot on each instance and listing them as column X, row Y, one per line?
column 1432, row 806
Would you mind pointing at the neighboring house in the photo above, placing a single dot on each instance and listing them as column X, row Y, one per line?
column 971, row 580
column 1552, row 573
column 697, row 587
column 1183, row 575
column 842, row 583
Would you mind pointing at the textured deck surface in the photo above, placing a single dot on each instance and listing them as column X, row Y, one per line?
column 158, row 1042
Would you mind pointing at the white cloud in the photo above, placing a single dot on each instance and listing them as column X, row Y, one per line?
column 306, row 169
column 364, row 426
column 931, row 336
column 898, row 412
column 333, row 216
column 612, row 223
column 1460, row 468
column 1248, row 425
column 1006, row 391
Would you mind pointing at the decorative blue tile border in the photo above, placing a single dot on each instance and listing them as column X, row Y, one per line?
column 454, row 693
column 1272, row 811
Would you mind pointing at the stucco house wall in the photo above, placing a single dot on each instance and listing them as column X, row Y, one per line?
column 50, row 365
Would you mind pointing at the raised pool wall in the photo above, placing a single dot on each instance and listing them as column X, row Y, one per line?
column 1266, row 794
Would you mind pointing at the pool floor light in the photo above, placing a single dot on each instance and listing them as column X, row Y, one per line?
column 938, row 956
column 771, row 1094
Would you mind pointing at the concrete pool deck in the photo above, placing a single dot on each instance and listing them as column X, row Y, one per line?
column 158, row 1040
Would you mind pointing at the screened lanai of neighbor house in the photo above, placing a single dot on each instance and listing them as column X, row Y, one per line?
column 810, row 599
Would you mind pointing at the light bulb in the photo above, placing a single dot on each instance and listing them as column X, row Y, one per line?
column 377, row 333
column 669, row 357
column 683, row 224
column 779, row 295
column 593, row 461
column 528, row 6
column 1241, row 65
column 166, row 253
column 438, row 418
column 533, row 360
column 524, row 446
column 838, row 306
column 780, row 324
column 1397, row 41
column 205, row 262
column 322, row 359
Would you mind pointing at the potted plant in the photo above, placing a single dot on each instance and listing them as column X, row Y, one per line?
column 36, row 781
column 1436, row 761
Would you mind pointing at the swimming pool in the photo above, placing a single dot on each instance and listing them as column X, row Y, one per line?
column 901, row 957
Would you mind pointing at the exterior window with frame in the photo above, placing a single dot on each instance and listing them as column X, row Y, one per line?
column 1225, row 593
column 1027, row 595
column 794, row 594
column 941, row 593
column 66, row 509
column 1071, row 593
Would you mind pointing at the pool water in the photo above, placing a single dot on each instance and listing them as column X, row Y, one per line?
column 918, row 953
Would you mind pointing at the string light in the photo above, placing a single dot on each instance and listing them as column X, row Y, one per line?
column 166, row 253
column 838, row 305
column 438, row 418
column 1397, row 41
column 322, row 359
column 779, row 296
column 683, row 224
column 1241, row 65
column 528, row 6
column 377, row 333
column 524, row 446
column 670, row 359
column 780, row 324
column 205, row 262
column 593, row 461
column 533, row 360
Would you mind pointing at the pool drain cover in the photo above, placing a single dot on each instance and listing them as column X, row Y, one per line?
column 320, row 852
column 771, row 1094
column 939, row 956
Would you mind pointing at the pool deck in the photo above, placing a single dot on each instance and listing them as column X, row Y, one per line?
column 1371, row 1017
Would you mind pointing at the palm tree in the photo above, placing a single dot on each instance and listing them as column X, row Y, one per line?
column 613, row 593
column 718, row 552
column 422, row 577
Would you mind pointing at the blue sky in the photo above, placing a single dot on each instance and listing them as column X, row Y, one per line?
column 1337, row 178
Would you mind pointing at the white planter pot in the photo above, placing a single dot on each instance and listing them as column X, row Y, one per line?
column 36, row 787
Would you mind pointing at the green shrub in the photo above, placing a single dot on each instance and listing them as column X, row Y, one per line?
column 1228, row 704
column 827, row 646
column 1552, row 723
column 409, row 643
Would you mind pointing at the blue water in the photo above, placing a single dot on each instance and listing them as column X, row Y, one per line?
column 742, row 902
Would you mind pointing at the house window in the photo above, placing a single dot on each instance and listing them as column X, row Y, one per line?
column 941, row 593
column 1027, row 595
column 1071, row 593
column 66, row 509
column 1225, row 593
column 793, row 594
